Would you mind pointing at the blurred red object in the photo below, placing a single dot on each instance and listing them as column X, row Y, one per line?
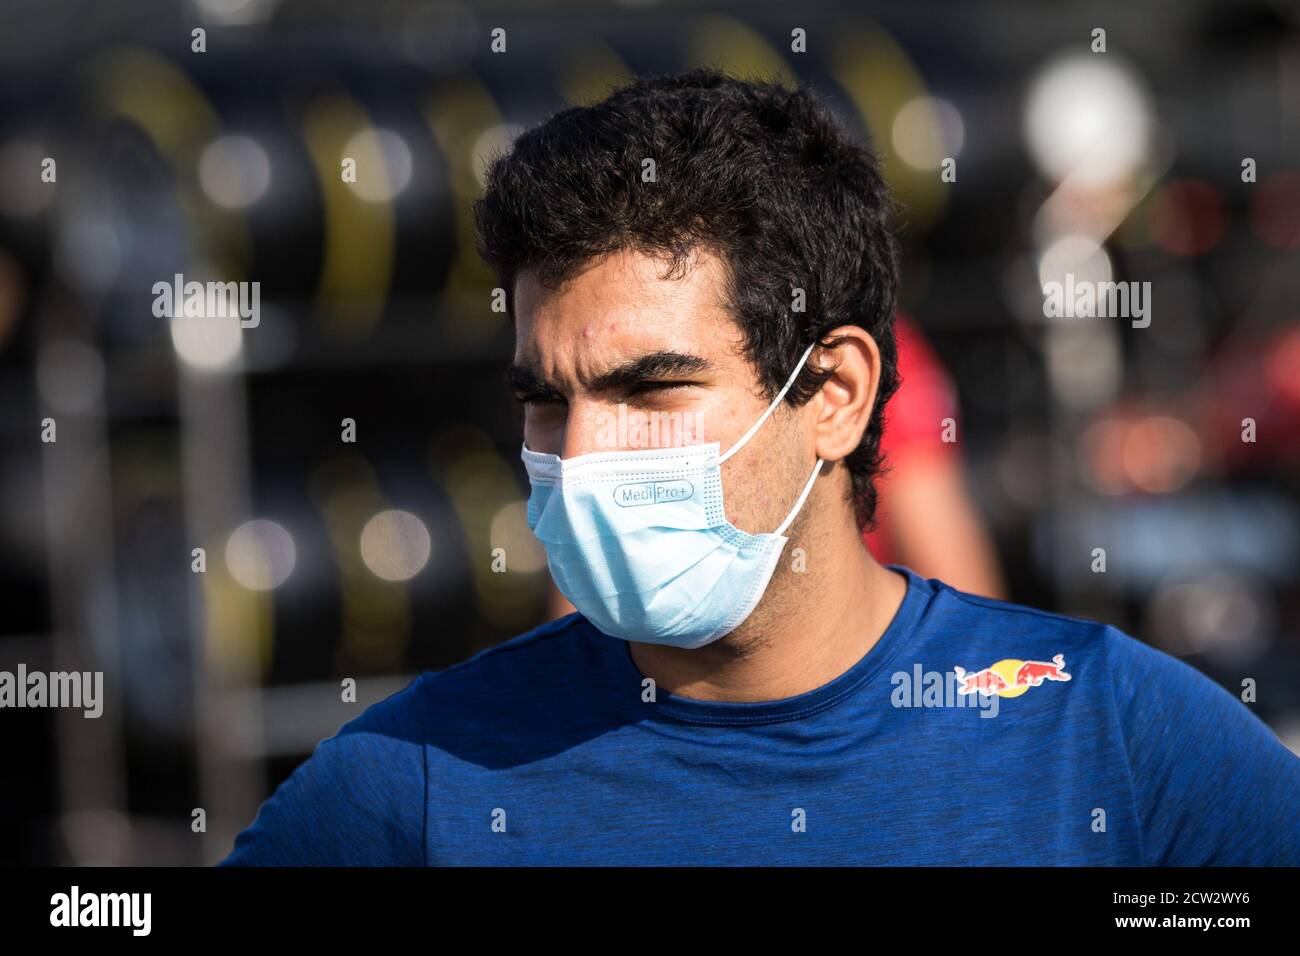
column 925, row 517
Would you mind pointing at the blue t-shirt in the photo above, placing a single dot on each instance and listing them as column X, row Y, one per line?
column 973, row 732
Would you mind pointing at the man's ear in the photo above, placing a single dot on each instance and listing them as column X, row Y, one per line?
column 847, row 399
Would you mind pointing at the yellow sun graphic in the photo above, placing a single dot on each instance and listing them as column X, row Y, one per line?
column 1006, row 669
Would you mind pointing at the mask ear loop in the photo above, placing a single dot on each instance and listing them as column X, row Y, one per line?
column 770, row 409
column 803, row 496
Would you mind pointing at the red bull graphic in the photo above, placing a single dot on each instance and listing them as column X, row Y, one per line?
column 986, row 681
column 1010, row 677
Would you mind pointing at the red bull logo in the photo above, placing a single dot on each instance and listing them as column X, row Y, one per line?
column 1010, row 677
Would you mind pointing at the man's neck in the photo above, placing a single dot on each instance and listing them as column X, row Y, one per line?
column 802, row 635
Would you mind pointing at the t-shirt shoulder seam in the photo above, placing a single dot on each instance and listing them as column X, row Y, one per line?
column 995, row 605
column 413, row 694
column 550, row 629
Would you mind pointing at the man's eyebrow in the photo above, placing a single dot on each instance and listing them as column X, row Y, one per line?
column 526, row 380
column 647, row 368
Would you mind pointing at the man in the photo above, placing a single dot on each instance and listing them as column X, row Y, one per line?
column 744, row 683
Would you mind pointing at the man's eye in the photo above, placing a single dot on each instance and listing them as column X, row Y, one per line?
column 538, row 400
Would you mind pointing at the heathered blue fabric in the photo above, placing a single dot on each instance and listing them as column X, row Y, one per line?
column 542, row 751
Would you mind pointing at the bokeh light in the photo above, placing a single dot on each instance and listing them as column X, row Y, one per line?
column 234, row 171
column 260, row 554
column 1088, row 118
column 928, row 130
column 207, row 342
column 395, row 545
column 383, row 164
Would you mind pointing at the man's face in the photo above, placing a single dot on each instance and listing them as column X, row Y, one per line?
column 665, row 349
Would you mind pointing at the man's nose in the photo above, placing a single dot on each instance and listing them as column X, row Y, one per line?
column 589, row 427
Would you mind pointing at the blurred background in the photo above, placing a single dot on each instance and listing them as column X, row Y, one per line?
column 372, row 559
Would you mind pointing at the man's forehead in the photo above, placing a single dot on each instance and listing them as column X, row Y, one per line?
column 620, row 312
column 624, row 290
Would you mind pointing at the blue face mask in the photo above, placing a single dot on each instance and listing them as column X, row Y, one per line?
column 640, row 543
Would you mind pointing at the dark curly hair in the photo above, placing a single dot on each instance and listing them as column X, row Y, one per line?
column 760, row 175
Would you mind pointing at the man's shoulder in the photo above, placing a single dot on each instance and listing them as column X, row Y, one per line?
column 552, row 654
column 551, row 650
column 497, row 683
column 1211, row 782
column 1103, row 656
column 978, row 632
column 977, row 627
column 360, row 796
